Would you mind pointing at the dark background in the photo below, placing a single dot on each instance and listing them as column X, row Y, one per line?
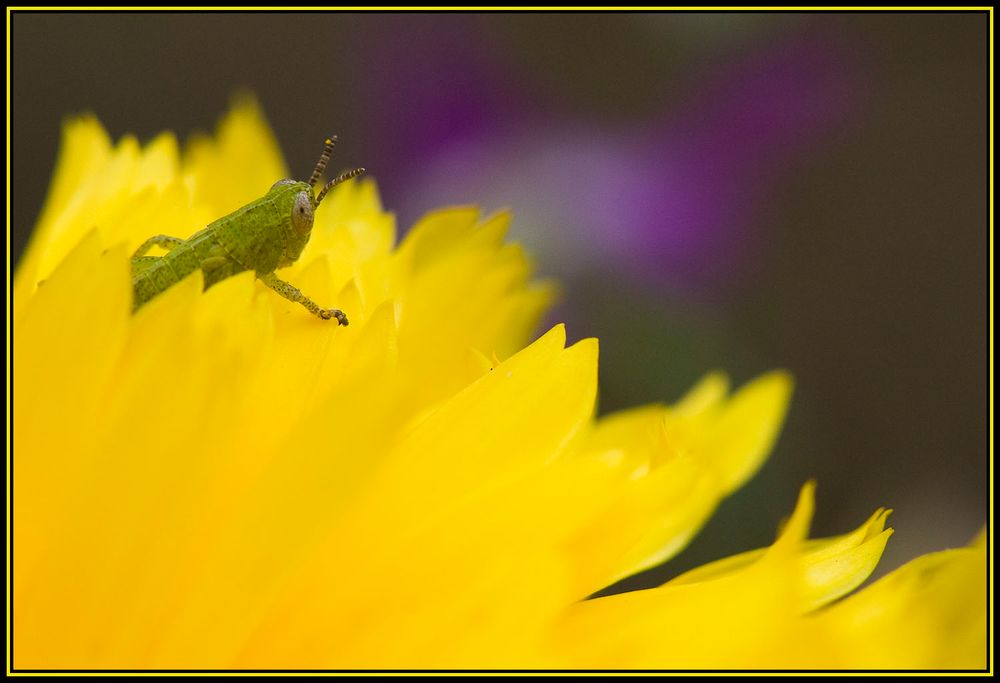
column 737, row 191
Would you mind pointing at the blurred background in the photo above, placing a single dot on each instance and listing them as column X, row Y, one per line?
column 741, row 191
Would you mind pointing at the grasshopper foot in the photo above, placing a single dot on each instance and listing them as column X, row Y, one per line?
column 327, row 313
column 293, row 294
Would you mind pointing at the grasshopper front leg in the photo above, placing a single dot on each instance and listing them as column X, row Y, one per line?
column 163, row 241
column 293, row 294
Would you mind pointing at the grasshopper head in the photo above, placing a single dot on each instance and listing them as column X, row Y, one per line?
column 293, row 199
column 301, row 203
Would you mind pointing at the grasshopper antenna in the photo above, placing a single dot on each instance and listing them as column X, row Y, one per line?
column 337, row 181
column 324, row 159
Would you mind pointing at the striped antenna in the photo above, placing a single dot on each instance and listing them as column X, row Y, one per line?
column 324, row 159
column 337, row 181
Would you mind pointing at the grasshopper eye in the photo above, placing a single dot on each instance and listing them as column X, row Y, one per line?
column 286, row 181
column 302, row 213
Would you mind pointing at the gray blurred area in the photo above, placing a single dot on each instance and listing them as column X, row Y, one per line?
column 861, row 264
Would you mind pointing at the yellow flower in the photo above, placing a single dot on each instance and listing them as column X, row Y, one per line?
column 225, row 481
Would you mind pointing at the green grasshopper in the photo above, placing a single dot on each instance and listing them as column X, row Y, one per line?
column 266, row 234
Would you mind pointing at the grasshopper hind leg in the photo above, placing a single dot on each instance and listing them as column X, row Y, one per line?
column 163, row 241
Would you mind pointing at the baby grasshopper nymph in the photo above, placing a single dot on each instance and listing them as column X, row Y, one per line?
column 266, row 234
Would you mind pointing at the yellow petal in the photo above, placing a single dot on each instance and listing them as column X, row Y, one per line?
column 928, row 614
column 450, row 477
column 83, row 151
column 238, row 164
column 222, row 479
column 730, row 622
column 98, row 186
column 744, row 432
column 65, row 348
column 672, row 467
column 833, row 566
